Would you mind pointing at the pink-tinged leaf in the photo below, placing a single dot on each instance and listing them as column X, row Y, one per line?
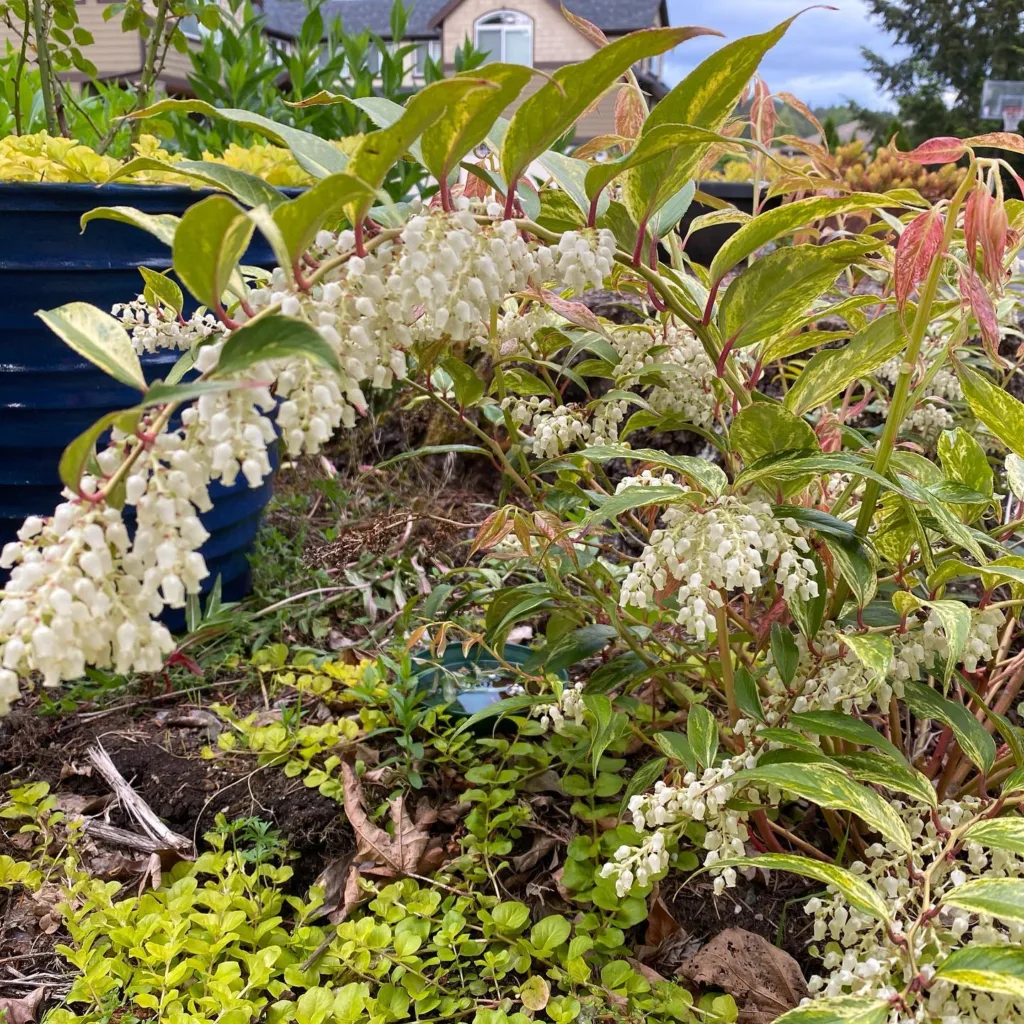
column 630, row 113
column 997, row 140
column 977, row 297
column 944, row 150
column 763, row 115
column 917, row 248
column 585, row 28
column 575, row 312
column 986, row 224
column 797, row 104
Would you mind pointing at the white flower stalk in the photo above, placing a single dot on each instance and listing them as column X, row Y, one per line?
column 687, row 369
column 580, row 260
column 704, row 553
column 452, row 272
column 568, row 707
column 70, row 603
column 516, row 328
column 863, row 958
column 153, row 330
column 667, row 810
column 932, row 415
column 648, row 478
column 556, row 429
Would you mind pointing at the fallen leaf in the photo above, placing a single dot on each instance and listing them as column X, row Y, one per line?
column 542, row 845
column 648, row 973
column 24, row 1010
column 764, row 980
column 392, row 855
column 661, row 925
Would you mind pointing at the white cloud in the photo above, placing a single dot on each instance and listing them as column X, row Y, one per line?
column 819, row 59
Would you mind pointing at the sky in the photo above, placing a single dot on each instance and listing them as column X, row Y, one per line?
column 818, row 59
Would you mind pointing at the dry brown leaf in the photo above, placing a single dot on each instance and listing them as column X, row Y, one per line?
column 542, row 845
column 649, row 973
column 661, row 925
column 24, row 1010
column 392, row 855
column 764, row 980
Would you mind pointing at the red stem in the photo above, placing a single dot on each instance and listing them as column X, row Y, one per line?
column 360, row 246
column 510, row 199
column 712, row 295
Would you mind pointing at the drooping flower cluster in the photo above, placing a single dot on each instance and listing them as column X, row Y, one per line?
column 668, row 810
column 153, row 329
column 682, row 363
column 556, row 429
column 703, row 553
column 569, row 706
column 871, row 960
column 932, row 414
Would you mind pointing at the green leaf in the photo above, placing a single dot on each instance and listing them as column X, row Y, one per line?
column 857, row 565
column 764, row 428
column 677, row 747
column 834, row 790
column 507, row 706
column 162, row 290
column 747, row 697
column 273, row 337
column 839, row 1010
column 809, row 613
column 859, row 893
column 302, row 217
column 435, row 449
column 998, row 969
column 99, row 338
column 211, row 239
column 549, row 113
column 702, row 732
column 677, row 142
column 770, row 297
column 964, row 462
column 468, row 121
column 313, row 154
column 829, row 372
column 786, row 465
column 873, row 651
column 998, row 833
column 379, row 151
column 997, row 409
column 843, row 726
column 785, row 653
column 1014, row 782
column 644, row 778
column 704, row 475
column 550, row 932
column 635, row 497
column 974, row 740
column 577, row 645
column 784, row 220
column 161, row 226
column 890, row 773
column 81, row 451
column 1000, row 897
column 510, row 917
column 706, row 98
column 469, row 386
column 955, row 617
column 246, row 188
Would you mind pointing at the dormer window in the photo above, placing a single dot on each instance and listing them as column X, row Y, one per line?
column 506, row 36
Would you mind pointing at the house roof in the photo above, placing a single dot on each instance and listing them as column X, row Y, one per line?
column 284, row 17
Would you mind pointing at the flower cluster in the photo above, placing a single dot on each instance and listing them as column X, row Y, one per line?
column 932, row 415
column 863, row 958
column 153, row 329
column 703, row 553
column 556, row 429
column 682, row 363
column 569, row 705
column 668, row 810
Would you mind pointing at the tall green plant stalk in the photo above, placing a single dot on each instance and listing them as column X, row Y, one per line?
column 45, row 69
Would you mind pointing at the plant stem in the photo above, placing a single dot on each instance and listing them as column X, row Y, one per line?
column 147, row 80
column 45, row 68
column 725, row 656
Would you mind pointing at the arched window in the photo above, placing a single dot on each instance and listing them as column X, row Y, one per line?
column 506, row 36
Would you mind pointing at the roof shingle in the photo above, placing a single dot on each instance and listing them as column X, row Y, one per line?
column 284, row 17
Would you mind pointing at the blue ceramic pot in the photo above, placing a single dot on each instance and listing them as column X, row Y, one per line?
column 49, row 394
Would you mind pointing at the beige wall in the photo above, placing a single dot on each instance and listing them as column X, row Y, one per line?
column 112, row 51
column 555, row 41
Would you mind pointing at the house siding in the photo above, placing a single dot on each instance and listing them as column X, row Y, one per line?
column 112, row 51
column 555, row 41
